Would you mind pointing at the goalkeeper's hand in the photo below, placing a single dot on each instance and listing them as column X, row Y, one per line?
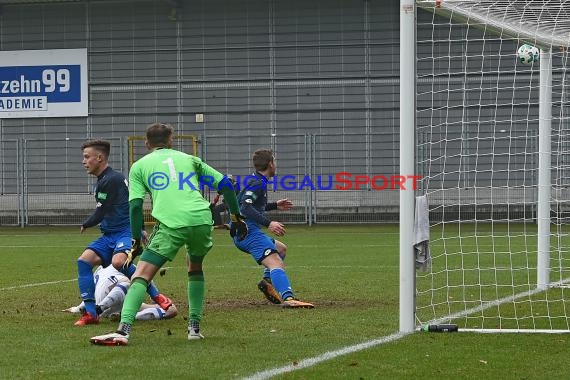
column 238, row 227
column 132, row 253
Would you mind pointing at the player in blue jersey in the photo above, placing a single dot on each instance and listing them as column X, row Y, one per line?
column 112, row 215
column 266, row 251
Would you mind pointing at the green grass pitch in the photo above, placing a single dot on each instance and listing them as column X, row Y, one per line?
column 349, row 272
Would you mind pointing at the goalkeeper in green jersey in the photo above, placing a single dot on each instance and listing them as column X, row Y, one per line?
column 183, row 218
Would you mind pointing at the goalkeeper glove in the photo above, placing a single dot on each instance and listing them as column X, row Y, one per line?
column 238, row 227
column 132, row 253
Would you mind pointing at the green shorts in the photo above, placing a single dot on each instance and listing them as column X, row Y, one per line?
column 166, row 242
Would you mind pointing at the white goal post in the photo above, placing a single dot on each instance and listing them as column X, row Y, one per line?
column 489, row 133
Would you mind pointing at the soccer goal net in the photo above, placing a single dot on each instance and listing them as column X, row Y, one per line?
column 492, row 136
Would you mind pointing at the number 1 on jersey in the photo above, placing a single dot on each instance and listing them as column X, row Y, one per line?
column 170, row 162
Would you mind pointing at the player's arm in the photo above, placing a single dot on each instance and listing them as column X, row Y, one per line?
column 281, row 204
column 238, row 226
column 105, row 197
column 136, row 218
column 220, row 182
column 96, row 217
column 226, row 188
column 253, row 190
column 137, row 191
column 135, row 215
column 230, row 201
column 138, row 233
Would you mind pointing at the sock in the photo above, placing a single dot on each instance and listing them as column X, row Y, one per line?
column 281, row 283
column 129, row 271
column 150, row 314
column 124, row 328
column 152, row 290
column 195, row 325
column 266, row 274
column 86, row 285
column 133, row 300
column 196, row 292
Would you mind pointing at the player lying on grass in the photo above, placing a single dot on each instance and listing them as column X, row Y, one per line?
column 110, row 289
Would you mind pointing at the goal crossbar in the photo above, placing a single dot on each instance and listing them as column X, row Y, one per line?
column 528, row 22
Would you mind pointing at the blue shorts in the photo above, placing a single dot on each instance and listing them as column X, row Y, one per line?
column 257, row 244
column 109, row 244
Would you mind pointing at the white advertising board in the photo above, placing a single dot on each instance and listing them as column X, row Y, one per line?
column 43, row 83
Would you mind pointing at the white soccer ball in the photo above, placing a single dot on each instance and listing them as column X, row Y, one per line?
column 528, row 54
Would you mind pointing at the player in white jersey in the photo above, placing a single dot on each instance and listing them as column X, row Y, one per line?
column 110, row 289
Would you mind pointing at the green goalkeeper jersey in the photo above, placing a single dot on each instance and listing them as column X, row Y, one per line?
column 173, row 180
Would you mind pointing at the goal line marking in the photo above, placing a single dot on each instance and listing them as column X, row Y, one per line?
column 305, row 363
column 485, row 306
column 309, row 362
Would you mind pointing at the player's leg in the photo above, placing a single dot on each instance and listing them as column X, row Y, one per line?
column 150, row 313
column 265, row 252
column 274, row 286
column 79, row 309
column 280, row 281
column 123, row 243
column 152, row 289
column 96, row 253
column 162, row 247
column 85, row 263
column 196, row 293
column 148, row 266
column 198, row 244
column 282, row 251
column 258, row 245
column 112, row 302
column 153, row 311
